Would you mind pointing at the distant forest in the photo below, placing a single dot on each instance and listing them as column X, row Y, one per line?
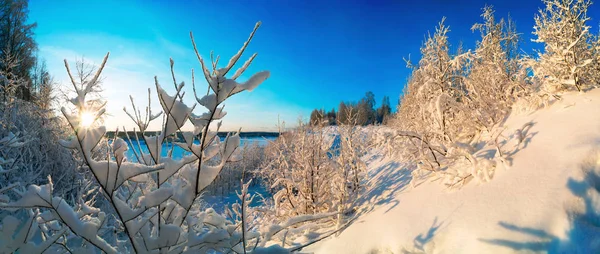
column 362, row 112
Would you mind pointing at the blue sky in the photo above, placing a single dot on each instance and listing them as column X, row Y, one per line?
column 318, row 52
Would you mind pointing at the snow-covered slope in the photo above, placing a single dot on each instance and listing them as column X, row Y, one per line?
column 540, row 204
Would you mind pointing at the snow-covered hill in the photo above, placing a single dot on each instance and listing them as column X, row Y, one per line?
column 547, row 201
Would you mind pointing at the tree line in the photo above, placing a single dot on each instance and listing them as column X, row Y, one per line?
column 362, row 112
column 23, row 75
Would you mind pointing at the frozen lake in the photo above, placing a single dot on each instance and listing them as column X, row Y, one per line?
column 217, row 201
column 179, row 152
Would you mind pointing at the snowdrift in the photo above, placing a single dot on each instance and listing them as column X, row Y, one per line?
column 547, row 201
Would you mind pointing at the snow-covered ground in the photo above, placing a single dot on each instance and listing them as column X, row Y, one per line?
column 540, row 204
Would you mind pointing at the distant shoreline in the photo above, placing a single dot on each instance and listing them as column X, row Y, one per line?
column 250, row 134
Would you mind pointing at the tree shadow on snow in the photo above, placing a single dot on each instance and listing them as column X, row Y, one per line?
column 522, row 137
column 542, row 243
column 382, row 187
column 423, row 243
column 386, row 182
column 584, row 213
column 509, row 145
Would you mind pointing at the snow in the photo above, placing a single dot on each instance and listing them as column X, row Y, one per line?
column 254, row 81
column 539, row 204
column 208, row 175
column 208, row 101
column 153, row 147
column 220, row 202
column 119, row 147
column 172, row 166
column 177, row 112
column 106, row 172
column 270, row 230
column 41, row 196
column 11, row 140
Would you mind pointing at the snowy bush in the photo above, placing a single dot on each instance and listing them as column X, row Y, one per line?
column 299, row 171
column 453, row 105
column 423, row 115
column 29, row 148
column 427, row 108
column 315, row 169
column 496, row 77
column 568, row 59
column 30, row 132
column 153, row 202
column 252, row 156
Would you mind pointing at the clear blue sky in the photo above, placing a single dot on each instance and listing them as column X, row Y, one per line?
column 318, row 52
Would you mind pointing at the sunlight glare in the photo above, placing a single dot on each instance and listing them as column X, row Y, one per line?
column 87, row 119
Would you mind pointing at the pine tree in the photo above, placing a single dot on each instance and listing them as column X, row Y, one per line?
column 331, row 117
column 384, row 110
column 341, row 117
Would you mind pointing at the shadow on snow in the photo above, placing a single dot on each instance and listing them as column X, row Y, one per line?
column 583, row 235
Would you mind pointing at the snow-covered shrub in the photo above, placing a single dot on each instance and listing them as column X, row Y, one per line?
column 299, row 171
column 315, row 169
column 496, row 78
column 531, row 103
column 252, row 156
column 350, row 145
column 153, row 201
column 568, row 59
column 37, row 132
column 11, row 84
column 453, row 105
column 38, row 154
column 428, row 109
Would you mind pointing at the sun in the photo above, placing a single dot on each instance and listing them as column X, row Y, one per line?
column 87, row 119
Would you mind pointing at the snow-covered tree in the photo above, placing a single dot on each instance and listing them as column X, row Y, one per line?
column 424, row 113
column 43, row 85
column 12, row 86
column 451, row 101
column 38, row 130
column 567, row 59
column 495, row 79
column 17, row 43
column 299, row 171
column 315, row 169
column 349, row 146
